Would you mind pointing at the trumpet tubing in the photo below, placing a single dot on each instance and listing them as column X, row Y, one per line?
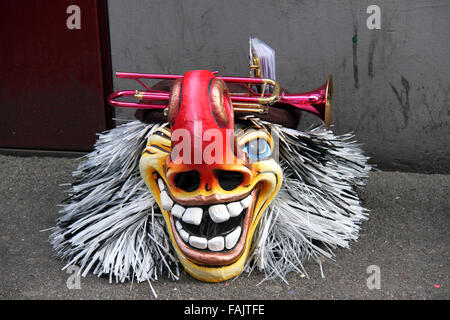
column 318, row 102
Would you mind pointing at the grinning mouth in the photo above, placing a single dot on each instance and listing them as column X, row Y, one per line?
column 209, row 229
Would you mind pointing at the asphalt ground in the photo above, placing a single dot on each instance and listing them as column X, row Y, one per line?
column 406, row 239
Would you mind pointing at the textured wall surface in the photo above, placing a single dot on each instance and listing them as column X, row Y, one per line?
column 391, row 85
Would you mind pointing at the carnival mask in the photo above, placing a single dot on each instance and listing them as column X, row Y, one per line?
column 211, row 180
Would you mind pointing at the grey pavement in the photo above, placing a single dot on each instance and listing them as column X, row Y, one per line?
column 407, row 237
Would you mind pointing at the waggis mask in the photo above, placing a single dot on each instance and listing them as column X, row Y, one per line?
column 211, row 180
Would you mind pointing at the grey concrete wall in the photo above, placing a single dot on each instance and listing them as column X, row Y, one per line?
column 392, row 85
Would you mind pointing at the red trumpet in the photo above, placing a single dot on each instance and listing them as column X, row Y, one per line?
column 244, row 100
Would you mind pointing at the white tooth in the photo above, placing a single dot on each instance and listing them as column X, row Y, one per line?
column 184, row 235
column 161, row 185
column 246, row 202
column 198, row 242
column 177, row 211
column 193, row 215
column 232, row 238
column 216, row 244
column 178, row 225
column 166, row 201
column 219, row 213
column 234, row 208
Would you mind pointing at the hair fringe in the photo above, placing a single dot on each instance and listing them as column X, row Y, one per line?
column 111, row 225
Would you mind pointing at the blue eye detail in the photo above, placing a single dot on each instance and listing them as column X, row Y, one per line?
column 258, row 149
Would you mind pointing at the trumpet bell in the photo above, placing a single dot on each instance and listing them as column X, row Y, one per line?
column 318, row 102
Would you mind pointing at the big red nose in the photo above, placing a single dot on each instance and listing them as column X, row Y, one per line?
column 200, row 112
column 204, row 154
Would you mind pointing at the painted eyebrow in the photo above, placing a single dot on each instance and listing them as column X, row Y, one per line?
column 162, row 134
column 159, row 147
column 251, row 134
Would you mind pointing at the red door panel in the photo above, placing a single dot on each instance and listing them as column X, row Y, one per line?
column 53, row 80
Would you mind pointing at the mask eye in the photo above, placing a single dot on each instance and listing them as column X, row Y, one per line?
column 258, row 149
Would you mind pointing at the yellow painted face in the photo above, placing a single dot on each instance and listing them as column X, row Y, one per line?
column 212, row 211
